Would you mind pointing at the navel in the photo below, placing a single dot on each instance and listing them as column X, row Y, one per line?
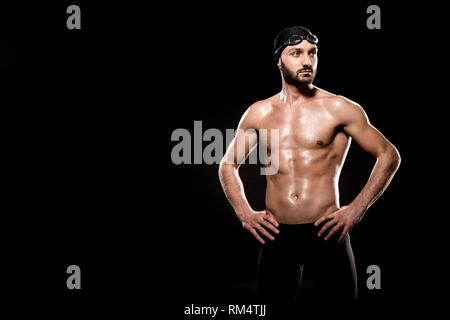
column 319, row 142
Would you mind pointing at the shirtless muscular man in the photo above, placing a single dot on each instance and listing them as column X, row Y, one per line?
column 303, row 218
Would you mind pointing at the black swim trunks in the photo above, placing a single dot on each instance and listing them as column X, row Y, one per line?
column 297, row 247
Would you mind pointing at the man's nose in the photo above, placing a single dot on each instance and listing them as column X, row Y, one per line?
column 306, row 61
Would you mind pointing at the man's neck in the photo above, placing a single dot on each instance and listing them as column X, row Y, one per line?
column 296, row 94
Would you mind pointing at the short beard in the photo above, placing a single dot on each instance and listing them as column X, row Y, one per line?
column 293, row 79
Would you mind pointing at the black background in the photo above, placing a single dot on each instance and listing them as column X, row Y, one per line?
column 88, row 116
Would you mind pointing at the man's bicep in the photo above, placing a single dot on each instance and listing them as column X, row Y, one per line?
column 364, row 133
column 358, row 126
column 241, row 146
column 244, row 142
column 369, row 139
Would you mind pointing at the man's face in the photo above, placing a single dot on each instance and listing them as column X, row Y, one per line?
column 298, row 63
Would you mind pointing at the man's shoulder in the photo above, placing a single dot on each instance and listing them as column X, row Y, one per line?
column 334, row 100
column 264, row 104
column 339, row 103
column 257, row 111
column 344, row 109
column 262, row 107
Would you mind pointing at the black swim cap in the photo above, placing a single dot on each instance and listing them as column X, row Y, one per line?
column 290, row 36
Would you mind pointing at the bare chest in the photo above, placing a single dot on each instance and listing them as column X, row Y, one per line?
column 302, row 128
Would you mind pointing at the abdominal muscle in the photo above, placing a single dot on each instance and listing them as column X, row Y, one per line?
column 302, row 203
column 302, row 193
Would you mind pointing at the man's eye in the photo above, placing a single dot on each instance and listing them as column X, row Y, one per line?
column 295, row 53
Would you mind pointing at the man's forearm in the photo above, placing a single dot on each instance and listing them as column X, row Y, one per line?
column 233, row 188
column 382, row 174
